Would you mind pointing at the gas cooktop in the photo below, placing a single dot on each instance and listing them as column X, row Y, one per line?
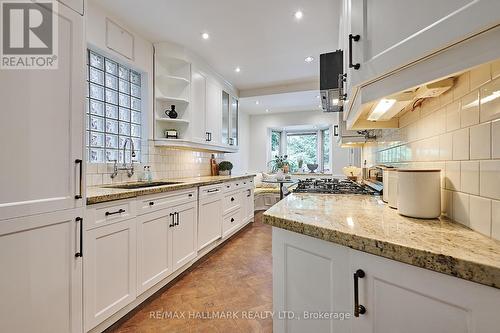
column 332, row 186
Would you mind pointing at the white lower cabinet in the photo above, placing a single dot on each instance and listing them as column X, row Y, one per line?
column 109, row 270
column 317, row 276
column 41, row 278
column 184, row 241
column 248, row 198
column 210, row 217
column 231, row 222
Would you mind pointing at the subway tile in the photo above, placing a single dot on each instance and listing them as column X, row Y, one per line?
column 462, row 86
column 453, row 116
column 453, row 175
column 479, row 76
column 91, row 168
column 489, row 175
column 490, row 101
column 447, row 97
column 495, row 219
column 469, row 109
column 495, row 139
column 446, row 147
column 429, row 105
column 480, row 141
column 409, row 118
column 469, row 177
column 461, row 144
column 495, row 69
column 480, row 215
column 447, row 203
column 461, row 208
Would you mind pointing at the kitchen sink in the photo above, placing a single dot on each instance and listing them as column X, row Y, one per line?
column 131, row 186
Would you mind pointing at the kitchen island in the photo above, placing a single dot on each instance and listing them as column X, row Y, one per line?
column 412, row 275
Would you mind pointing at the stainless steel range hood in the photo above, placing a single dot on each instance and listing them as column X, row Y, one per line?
column 331, row 71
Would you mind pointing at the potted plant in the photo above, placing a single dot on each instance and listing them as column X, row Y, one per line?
column 225, row 168
column 279, row 163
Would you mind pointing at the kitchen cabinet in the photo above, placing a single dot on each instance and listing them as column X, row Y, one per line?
column 213, row 117
column 44, row 139
column 248, row 205
column 315, row 275
column 231, row 222
column 110, row 270
column 198, row 130
column 210, row 216
column 233, row 122
column 154, row 248
column 184, row 240
column 76, row 5
column 41, row 280
column 225, row 118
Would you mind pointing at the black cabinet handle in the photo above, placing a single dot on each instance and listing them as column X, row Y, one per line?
column 232, row 199
column 151, row 203
column 356, row 39
column 213, row 190
column 209, row 136
column 177, row 218
column 336, row 129
column 119, row 211
column 80, row 253
column 232, row 219
column 249, row 193
column 190, row 195
column 358, row 308
column 80, row 163
column 172, row 215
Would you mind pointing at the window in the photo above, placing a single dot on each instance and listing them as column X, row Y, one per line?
column 303, row 147
column 113, row 110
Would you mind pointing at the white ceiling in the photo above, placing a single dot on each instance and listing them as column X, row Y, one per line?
column 286, row 102
column 260, row 36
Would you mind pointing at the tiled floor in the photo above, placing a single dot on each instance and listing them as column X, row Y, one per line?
column 236, row 278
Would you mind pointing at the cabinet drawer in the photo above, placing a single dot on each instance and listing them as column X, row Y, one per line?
column 231, row 222
column 109, row 213
column 153, row 203
column 231, row 201
column 211, row 190
column 232, row 186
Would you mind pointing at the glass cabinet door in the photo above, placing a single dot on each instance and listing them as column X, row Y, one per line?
column 233, row 129
column 225, row 118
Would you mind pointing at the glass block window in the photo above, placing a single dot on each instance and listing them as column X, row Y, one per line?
column 113, row 110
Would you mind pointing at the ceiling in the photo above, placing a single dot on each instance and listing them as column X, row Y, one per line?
column 286, row 102
column 262, row 37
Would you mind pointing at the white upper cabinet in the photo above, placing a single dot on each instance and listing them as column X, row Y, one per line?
column 213, row 116
column 41, row 129
column 76, row 5
column 198, row 107
column 395, row 33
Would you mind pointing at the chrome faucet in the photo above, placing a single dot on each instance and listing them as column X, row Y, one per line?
column 130, row 170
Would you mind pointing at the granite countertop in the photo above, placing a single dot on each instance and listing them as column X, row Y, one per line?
column 365, row 223
column 102, row 193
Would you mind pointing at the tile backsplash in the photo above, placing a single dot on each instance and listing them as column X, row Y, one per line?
column 459, row 133
column 165, row 163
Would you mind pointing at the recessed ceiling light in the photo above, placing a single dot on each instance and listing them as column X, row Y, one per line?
column 237, row 69
column 267, row 110
column 257, row 102
column 320, row 106
column 298, row 14
column 309, row 59
column 317, row 96
column 205, row 35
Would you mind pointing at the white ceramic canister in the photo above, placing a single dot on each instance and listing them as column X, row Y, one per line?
column 392, row 186
column 419, row 193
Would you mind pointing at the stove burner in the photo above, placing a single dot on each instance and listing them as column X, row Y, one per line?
column 332, row 186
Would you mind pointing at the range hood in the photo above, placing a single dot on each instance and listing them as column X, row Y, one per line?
column 331, row 71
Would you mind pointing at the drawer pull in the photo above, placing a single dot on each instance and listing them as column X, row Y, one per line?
column 232, row 219
column 151, row 203
column 176, row 214
column 80, row 253
column 232, row 199
column 228, row 186
column 213, row 190
column 172, row 215
column 358, row 308
column 119, row 211
column 190, row 195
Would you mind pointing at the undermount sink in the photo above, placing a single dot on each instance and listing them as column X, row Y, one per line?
column 130, row 186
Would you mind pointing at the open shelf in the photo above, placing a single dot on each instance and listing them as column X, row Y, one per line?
column 171, row 99
column 172, row 120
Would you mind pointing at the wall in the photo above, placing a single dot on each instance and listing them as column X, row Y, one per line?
column 164, row 162
column 459, row 133
column 259, row 125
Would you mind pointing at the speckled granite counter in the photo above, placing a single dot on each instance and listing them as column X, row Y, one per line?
column 98, row 194
column 365, row 223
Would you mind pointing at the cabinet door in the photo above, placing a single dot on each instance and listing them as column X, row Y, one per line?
column 213, row 119
column 248, row 204
column 76, row 5
column 198, row 107
column 233, row 122
column 110, row 270
column 154, row 248
column 210, row 221
column 41, row 128
column 403, row 298
column 309, row 275
column 225, row 118
column 184, row 244
column 41, row 279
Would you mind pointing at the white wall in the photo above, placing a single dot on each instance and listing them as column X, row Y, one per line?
column 240, row 159
column 259, row 125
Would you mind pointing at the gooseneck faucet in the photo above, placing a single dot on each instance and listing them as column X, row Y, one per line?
column 130, row 169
